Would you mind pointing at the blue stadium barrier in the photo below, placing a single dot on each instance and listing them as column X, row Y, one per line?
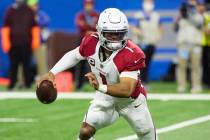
column 160, row 68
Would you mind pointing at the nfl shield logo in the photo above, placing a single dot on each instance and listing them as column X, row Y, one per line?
column 91, row 61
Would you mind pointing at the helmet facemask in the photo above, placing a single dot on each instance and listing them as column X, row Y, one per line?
column 113, row 40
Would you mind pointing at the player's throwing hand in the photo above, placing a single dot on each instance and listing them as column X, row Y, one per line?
column 46, row 91
column 49, row 76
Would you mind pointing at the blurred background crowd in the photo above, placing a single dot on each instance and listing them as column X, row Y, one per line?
column 174, row 35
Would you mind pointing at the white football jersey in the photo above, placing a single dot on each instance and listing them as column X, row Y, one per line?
column 130, row 58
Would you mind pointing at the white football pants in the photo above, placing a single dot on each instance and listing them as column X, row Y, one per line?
column 105, row 110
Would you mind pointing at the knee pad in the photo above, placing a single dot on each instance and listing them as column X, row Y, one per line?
column 146, row 130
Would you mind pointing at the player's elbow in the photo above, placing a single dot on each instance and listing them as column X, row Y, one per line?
column 127, row 89
column 126, row 92
column 127, row 86
column 126, row 95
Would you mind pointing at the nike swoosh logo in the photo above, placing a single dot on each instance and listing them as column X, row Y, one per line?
column 136, row 106
column 136, row 61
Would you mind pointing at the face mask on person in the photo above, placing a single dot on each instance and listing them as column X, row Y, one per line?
column 88, row 7
column 19, row 1
column 148, row 7
column 192, row 2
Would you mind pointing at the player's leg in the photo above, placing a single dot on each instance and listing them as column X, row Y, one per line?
column 86, row 132
column 149, row 52
column 196, row 69
column 182, row 67
column 82, row 69
column 14, row 56
column 26, row 60
column 138, row 116
column 205, row 65
column 95, row 120
column 101, row 113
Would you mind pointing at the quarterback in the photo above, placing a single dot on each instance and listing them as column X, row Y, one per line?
column 115, row 63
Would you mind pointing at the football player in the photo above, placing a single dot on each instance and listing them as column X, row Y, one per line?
column 115, row 65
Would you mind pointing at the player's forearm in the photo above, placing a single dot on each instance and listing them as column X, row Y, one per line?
column 69, row 60
column 119, row 90
column 122, row 89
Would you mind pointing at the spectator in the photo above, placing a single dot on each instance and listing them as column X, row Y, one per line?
column 86, row 23
column 43, row 21
column 19, row 40
column 189, row 27
column 206, row 49
column 150, row 33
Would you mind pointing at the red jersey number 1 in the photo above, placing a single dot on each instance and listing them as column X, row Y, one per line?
column 103, row 79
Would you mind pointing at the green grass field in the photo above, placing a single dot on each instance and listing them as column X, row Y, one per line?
column 62, row 119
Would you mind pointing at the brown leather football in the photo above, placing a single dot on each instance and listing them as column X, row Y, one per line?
column 46, row 93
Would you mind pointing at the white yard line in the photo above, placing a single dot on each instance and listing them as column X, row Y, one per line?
column 177, row 96
column 85, row 95
column 17, row 120
column 32, row 95
column 173, row 127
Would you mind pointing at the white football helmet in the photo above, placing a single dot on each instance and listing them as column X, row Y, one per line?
column 112, row 28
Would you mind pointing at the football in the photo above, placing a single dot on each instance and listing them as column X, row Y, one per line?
column 46, row 93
